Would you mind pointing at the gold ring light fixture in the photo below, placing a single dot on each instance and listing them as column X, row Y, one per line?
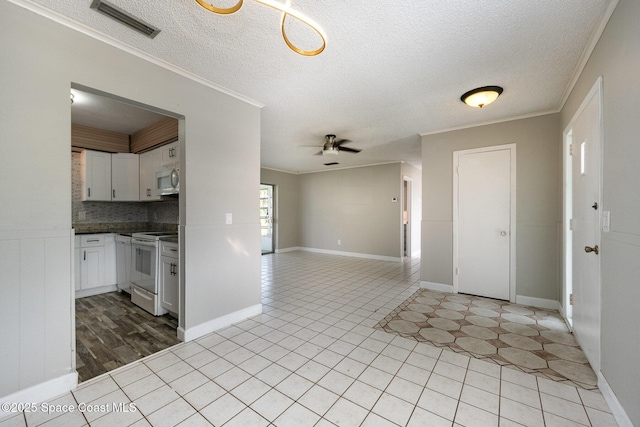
column 286, row 11
column 481, row 96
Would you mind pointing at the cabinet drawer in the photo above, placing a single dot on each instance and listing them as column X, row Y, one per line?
column 91, row 240
column 169, row 249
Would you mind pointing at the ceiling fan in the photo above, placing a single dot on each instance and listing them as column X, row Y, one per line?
column 333, row 146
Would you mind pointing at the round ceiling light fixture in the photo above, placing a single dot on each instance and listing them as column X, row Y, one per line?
column 481, row 96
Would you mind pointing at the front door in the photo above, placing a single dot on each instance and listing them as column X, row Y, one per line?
column 484, row 184
column 586, row 208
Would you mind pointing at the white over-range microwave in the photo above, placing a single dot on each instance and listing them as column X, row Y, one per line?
column 168, row 181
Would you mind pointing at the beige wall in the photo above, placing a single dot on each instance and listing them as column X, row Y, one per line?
column 286, row 227
column 220, row 171
column 617, row 59
column 538, row 211
column 354, row 206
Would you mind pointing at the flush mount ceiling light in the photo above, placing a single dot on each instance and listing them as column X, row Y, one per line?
column 286, row 11
column 481, row 96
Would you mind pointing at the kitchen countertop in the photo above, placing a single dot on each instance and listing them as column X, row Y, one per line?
column 125, row 228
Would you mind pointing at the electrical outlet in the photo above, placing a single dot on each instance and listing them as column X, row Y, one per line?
column 339, row 242
column 229, row 218
column 82, row 215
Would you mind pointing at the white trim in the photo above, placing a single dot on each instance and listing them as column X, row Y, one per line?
column 617, row 410
column 81, row 28
column 588, row 50
column 538, row 302
column 492, row 122
column 81, row 293
column 41, row 392
column 284, row 250
column 433, row 286
column 513, row 205
column 205, row 328
column 351, row 254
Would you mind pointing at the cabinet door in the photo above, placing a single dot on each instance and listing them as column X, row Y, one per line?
column 92, row 267
column 125, row 177
column 76, row 268
column 169, row 284
column 110, row 277
column 149, row 164
column 96, row 175
column 170, row 158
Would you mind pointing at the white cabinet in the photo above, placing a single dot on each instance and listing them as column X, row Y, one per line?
column 95, row 175
column 95, row 264
column 125, row 177
column 91, row 261
column 170, row 157
column 76, row 262
column 169, row 284
column 149, row 164
column 123, row 263
column 109, row 177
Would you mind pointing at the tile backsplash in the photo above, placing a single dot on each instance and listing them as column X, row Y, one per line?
column 118, row 216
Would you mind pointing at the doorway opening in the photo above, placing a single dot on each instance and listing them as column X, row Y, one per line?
column 266, row 218
column 121, row 145
column 407, row 188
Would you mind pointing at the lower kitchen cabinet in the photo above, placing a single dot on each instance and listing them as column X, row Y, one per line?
column 169, row 283
column 95, row 264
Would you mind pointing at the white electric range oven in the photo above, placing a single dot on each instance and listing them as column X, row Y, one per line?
column 145, row 274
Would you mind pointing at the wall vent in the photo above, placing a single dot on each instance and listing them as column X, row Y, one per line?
column 125, row 18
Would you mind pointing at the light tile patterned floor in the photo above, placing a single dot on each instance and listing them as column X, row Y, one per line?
column 313, row 358
column 531, row 339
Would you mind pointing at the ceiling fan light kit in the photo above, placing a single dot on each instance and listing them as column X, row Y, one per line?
column 286, row 11
column 481, row 96
column 332, row 146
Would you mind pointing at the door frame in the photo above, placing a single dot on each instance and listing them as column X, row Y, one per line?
column 567, row 195
column 407, row 198
column 273, row 218
column 512, row 217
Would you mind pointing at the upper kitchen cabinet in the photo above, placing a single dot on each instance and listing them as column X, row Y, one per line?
column 149, row 164
column 170, row 157
column 95, row 175
column 109, row 177
column 125, row 177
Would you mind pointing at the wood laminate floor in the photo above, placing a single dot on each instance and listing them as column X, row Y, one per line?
column 111, row 332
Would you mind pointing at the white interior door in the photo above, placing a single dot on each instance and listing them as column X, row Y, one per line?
column 586, row 178
column 484, row 202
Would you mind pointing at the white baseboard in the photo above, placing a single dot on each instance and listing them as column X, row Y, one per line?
column 351, row 254
column 96, row 291
column 291, row 249
column 41, row 392
column 617, row 410
column 436, row 286
column 538, row 302
column 205, row 328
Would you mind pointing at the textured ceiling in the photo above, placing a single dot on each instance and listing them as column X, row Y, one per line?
column 391, row 69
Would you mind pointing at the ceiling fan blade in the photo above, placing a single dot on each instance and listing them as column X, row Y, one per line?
column 349, row 150
column 319, row 153
column 340, row 142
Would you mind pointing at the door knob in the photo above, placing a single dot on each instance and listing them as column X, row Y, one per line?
column 589, row 249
